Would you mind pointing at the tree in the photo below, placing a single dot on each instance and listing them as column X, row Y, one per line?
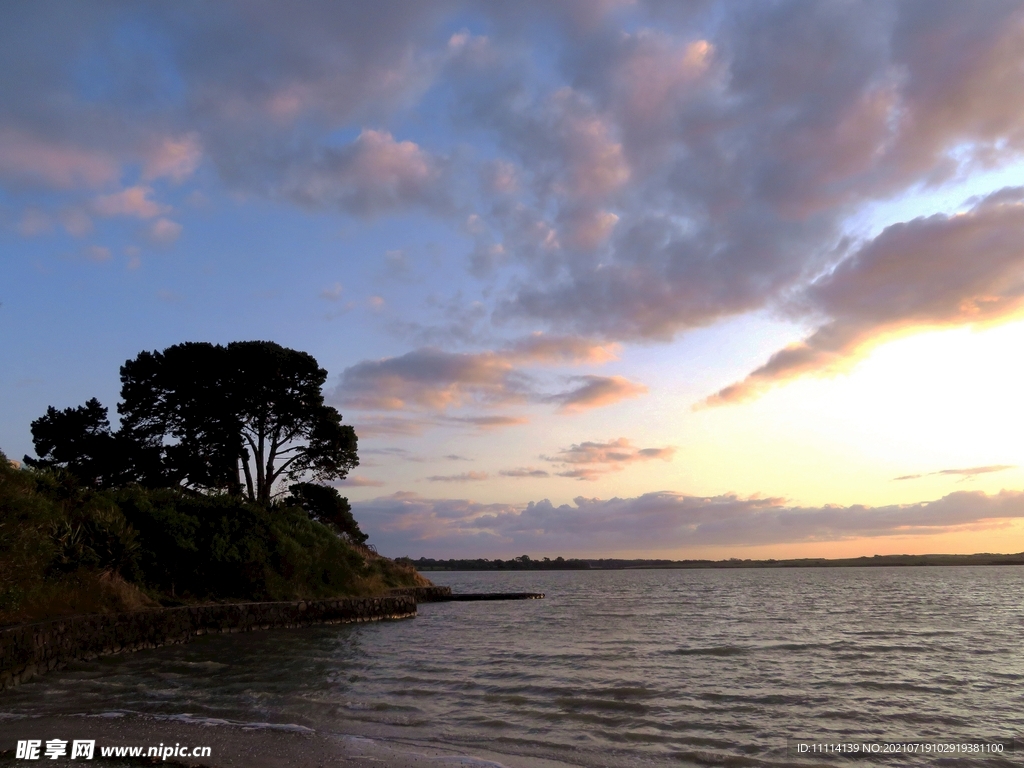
column 326, row 505
column 251, row 410
column 79, row 440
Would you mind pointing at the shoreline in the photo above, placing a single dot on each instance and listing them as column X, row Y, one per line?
column 243, row 745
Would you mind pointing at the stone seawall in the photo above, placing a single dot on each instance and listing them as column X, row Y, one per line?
column 425, row 594
column 27, row 650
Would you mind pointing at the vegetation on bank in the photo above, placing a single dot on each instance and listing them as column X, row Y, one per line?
column 202, row 494
column 67, row 549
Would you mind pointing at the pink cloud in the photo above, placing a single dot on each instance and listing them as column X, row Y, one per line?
column 595, row 163
column 359, row 481
column 597, row 392
column 547, row 348
column 591, row 460
column 373, row 175
column 432, row 379
column 164, row 231
column 65, row 166
column 133, row 201
column 76, row 222
column 173, row 158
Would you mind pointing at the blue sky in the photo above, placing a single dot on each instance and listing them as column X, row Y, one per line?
column 632, row 278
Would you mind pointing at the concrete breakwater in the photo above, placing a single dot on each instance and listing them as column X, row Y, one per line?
column 425, row 594
column 445, row 595
column 473, row 596
column 27, row 650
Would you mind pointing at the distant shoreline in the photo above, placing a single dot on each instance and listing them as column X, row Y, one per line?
column 614, row 564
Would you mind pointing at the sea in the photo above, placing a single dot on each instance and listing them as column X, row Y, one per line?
column 626, row 668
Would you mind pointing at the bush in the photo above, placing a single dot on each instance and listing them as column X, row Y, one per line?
column 62, row 549
column 325, row 505
column 65, row 548
column 199, row 546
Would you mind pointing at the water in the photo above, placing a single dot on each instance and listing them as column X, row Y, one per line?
column 617, row 668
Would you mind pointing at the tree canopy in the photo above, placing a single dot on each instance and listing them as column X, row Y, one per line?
column 324, row 504
column 240, row 418
column 79, row 440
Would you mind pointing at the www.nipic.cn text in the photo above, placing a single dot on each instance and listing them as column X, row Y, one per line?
column 36, row 749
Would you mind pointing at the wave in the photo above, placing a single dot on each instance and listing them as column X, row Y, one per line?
column 715, row 650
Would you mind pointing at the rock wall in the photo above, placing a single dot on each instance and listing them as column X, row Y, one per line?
column 425, row 594
column 27, row 650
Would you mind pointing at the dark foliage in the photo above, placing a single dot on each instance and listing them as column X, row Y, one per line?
column 253, row 407
column 79, row 441
column 66, row 548
column 326, row 505
column 235, row 419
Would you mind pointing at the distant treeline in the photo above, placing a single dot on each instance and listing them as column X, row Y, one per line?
column 526, row 563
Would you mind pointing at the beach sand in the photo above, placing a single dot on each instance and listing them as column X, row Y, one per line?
column 237, row 744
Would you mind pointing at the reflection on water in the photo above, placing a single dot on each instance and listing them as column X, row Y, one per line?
column 618, row 668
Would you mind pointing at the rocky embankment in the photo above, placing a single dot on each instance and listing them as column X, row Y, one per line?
column 27, row 650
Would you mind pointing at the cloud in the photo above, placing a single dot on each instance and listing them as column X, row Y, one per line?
column 174, row 158
column 255, row 92
column 964, row 473
column 462, row 477
column 392, row 451
column 76, row 222
column 34, row 222
column 554, row 349
column 525, row 472
column 62, row 165
column 597, row 392
column 932, row 272
column 591, row 460
column 99, row 253
column 374, row 175
column 164, row 231
column 133, row 201
column 397, row 264
column 432, row 379
column 664, row 169
column 489, row 422
column 359, row 481
column 747, row 151
column 390, row 426
column 333, row 293
column 407, row 523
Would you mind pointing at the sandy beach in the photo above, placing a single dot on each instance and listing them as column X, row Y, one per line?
column 253, row 745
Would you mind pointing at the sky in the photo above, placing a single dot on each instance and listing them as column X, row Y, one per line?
column 589, row 277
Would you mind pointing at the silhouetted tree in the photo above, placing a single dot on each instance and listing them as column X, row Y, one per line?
column 238, row 419
column 79, row 440
column 251, row 410
column 326, row 505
